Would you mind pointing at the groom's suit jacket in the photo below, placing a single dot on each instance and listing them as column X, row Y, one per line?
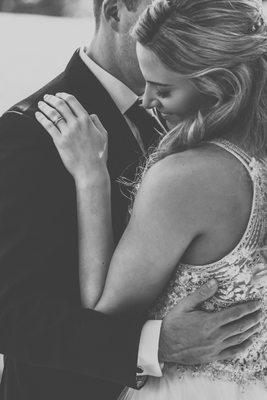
column 53, row 348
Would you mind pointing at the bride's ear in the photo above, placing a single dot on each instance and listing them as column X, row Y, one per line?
column 111, row 13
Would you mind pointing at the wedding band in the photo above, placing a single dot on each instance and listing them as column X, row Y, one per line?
column 58, row 120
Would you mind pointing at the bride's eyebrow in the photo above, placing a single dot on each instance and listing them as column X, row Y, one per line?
column 159, row 84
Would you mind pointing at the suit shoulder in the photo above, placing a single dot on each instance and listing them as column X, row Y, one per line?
column 18, row 126
column 28, row 107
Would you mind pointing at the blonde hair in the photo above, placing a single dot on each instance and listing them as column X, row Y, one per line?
column 221, row 45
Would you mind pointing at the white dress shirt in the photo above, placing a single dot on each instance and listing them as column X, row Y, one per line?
column 124, row 98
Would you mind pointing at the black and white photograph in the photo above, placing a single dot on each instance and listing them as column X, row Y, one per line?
column 133, row 200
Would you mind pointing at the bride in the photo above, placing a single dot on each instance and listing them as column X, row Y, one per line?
column 200, row 205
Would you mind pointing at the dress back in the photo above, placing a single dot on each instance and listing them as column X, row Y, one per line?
column 234, row 274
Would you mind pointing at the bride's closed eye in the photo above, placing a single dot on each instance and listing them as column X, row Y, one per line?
column 163, row 94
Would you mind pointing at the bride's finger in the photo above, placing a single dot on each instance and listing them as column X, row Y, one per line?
column 73, row 103
column 48, row 125
column 60, row 106
column 99, row 125
column 52, row 114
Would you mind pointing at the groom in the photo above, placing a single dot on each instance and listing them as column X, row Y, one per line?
column 54, row 349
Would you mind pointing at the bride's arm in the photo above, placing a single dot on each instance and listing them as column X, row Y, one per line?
column 95, row 238
column 166, row 218
column 81, row 141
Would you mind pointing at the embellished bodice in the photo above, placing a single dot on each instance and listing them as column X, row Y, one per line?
column 235, row 274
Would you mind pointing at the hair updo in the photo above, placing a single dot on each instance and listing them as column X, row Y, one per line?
column 221, row 45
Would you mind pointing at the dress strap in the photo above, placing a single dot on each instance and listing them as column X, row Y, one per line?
column 236, row 151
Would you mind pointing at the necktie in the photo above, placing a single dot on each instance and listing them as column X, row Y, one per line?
column 148, row 126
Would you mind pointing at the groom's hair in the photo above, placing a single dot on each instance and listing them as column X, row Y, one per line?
column 130, row 4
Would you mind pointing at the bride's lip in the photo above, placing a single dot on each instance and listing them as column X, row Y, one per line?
column 165, row 115
column 162, row 113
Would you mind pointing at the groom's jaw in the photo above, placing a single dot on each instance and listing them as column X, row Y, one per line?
column 113, row 48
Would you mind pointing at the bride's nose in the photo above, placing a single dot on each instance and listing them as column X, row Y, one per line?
column 149, row 99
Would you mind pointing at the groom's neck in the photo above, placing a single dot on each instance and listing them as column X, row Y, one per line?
column 104, row 53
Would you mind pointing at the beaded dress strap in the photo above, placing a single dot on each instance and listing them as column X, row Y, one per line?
column 252, row 228
column 236, row 151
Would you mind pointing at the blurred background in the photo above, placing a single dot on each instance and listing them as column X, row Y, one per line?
column 47, row 7
column 38, row 37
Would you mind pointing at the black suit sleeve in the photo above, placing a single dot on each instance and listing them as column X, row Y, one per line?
column 40, row 322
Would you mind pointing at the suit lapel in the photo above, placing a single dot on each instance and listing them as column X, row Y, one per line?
column 93, row 96
column 124, row 151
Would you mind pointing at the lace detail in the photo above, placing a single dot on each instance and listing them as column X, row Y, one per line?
column 234, row 274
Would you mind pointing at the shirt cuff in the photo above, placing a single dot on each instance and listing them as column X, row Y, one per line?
column 148, row 360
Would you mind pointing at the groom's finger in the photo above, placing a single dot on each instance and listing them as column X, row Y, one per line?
column 234, row 313
column 241, row 325
column 199, row 296
column 98, row 124
column 232, row 352
column 242, row 337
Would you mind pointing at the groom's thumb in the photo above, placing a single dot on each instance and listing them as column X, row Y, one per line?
column 200, row 295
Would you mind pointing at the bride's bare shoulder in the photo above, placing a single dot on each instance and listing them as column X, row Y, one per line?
column 202, row 177
column 206, row 163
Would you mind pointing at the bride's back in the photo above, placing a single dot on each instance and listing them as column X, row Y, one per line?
column 235, row 186
column 226, row 194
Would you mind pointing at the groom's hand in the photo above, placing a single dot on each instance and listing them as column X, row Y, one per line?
column 191, row 336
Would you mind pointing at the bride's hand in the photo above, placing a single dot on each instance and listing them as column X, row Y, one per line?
column 80, row 138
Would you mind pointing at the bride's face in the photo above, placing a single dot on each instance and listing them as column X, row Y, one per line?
column 172, row 94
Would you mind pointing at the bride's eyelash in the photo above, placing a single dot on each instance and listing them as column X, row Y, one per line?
column 163, row 94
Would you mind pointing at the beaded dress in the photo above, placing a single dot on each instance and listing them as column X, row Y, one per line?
column 244, row 378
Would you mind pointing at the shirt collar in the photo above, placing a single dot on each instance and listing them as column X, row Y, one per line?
column 122, row 96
